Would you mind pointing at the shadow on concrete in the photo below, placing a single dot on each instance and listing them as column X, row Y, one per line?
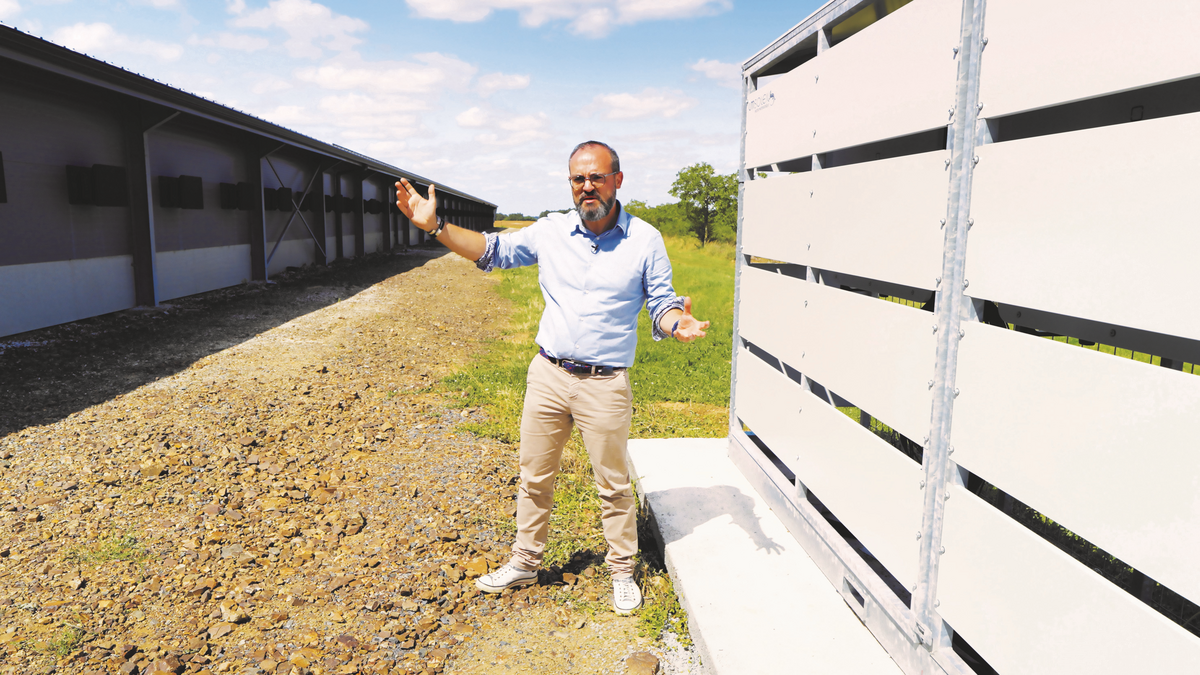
column 48, row 374
column 679, row 511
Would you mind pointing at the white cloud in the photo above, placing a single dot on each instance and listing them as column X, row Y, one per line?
column 311, row 27
column 9, row 9
column 101, row 39
column 271, row 84
column 235, row 6
column 160, row 4
column 494, row 82
column 649, row 103
column 725, row 74
column 433, row 72
column 594, row 18
column 235, row 41
column 472, row 117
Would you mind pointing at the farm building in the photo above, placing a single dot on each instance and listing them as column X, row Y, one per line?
column 118, row 191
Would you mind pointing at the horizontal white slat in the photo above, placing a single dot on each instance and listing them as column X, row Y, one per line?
column 1101, row 224
column 876, row 354
column 879, row 220
column 1105, row 446
column 869, row 485
column 1042, row 53
column 1029, row 608
column 894, row 78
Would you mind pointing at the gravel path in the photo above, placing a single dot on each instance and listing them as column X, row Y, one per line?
column 261, row 480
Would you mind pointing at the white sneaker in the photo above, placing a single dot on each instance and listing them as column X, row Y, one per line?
column 505, row 577
column 626, row 596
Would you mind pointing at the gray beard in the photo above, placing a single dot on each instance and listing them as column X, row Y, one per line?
column 597, row 213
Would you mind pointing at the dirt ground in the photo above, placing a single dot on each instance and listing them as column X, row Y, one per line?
column 260, row 480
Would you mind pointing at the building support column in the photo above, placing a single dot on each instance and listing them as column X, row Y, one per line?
column 138, row 119
column 356, row 207
column 258, row 216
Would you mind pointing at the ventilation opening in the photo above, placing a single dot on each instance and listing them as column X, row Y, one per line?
column 848, row 588
column 882, row 572
column 1162, row 100
column 971, row 657
column 933, row 140
column 1155, row 349
column 1165, row 601
column 856, row 22
column 909, row 296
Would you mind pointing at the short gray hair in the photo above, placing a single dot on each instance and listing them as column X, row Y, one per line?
column 616, row 161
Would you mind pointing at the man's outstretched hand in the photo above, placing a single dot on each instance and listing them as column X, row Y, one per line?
column 422, row 212
column 689, row 327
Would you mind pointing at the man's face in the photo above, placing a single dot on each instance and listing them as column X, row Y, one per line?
column 594, row 202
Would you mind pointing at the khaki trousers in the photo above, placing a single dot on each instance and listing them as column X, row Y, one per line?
column 602, row 406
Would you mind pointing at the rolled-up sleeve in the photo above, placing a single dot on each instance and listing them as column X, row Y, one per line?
column 660, row 294
column 515, row 249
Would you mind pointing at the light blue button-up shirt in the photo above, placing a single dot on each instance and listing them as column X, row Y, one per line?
column 594, row 286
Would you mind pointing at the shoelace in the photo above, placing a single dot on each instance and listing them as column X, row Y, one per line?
column 625, row 590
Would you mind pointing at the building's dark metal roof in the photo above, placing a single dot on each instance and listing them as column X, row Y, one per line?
column 33, row 51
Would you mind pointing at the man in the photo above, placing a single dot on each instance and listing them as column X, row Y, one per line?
column 597, row 266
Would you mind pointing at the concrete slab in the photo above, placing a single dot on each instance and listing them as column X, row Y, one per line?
column 755, row 601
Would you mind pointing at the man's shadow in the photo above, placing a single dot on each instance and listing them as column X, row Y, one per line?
column 677, row 512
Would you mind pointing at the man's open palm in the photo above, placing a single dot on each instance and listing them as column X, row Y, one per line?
column 689, row 327
column 422, row 212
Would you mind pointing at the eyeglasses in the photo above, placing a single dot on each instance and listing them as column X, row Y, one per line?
column 595, row 178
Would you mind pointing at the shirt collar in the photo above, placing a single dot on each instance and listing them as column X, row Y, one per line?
column 622, row 220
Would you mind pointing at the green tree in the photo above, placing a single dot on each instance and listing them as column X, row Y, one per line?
column 708, row 199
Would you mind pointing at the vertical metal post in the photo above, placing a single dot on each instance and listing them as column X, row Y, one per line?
column 738, row 260
column 356, row 208
column 337, row 216
column 952, row 304
column 321, row 254
column 387, row 215
column 258, row 218
column 141, row 205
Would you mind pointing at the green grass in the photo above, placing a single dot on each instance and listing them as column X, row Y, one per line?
column 122, row 546
column 679, row 390
column 65, row 642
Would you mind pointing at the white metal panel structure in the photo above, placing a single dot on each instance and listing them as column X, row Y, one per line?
column 859, row 477
column 1016, row 389
column 1050, row 525
column 888, row 231
column 995, row 571
column 825, row 335
column 1041, row 54
column 1076, row 223
column 865, row 90
column 44, row 294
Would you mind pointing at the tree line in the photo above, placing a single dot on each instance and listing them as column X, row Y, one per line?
column 706, row 210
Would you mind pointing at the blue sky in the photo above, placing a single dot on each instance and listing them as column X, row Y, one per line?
column 488, row 96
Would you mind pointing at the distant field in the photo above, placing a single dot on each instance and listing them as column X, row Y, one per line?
column 514, row 223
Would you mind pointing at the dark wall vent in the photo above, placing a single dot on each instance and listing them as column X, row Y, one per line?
column 3, row 188
column 191, row 192
column 229, row 196
column 168, row 192
column 283, row 197
column 108, row 185
column 270, row 199
column 245, row 196
column 79, row 185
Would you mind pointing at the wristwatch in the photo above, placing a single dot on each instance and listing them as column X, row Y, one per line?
column 441, row 225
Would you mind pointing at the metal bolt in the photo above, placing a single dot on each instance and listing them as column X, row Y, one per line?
column 949, row 450
column 814, row 133
column 1112, row 333
column 974, row 160
column 947, row 164
column 955, row 51
column 935, row 328
column 922, row 486
column 937, row 280
column 951, row 111
column 816, row 79
column 983, row 42
column 966, row 283
column 961, row 333
column 942, row 551
column 806, row 302
column 925, row 441
column 931, row 387
column 946, row 497
column 810, row 193
column 799, row 410
column 918, row 535
column 942, row 221
column 979, row 107
column 937, row 603
column 970, row 223
column 956, row 392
